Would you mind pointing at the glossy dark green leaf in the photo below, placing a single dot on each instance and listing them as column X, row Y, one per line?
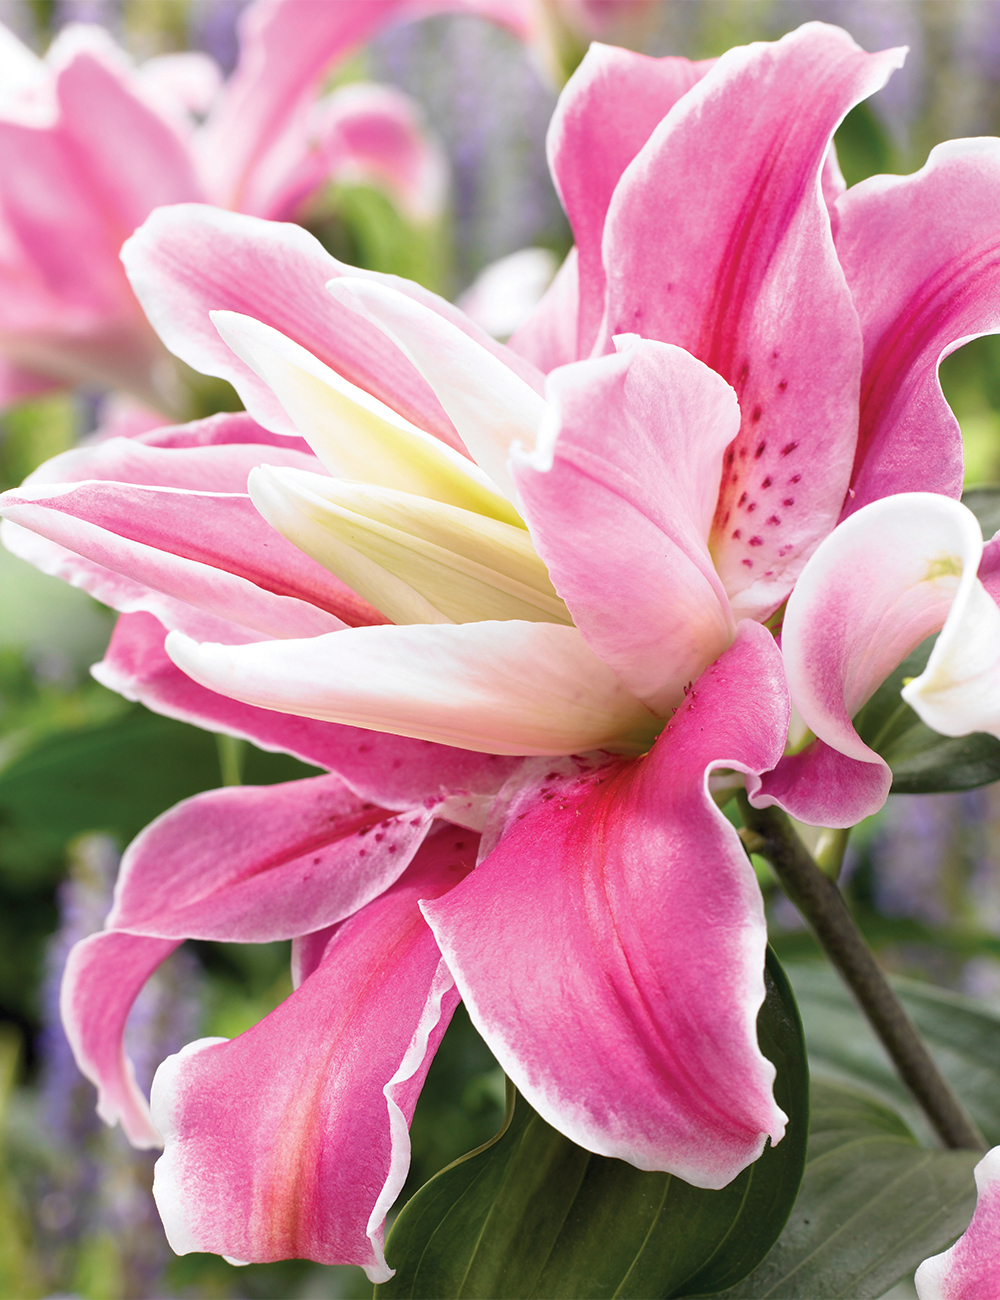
column 873, row 1205
column 533, row 1215
column 984, row 502
column 922, row 760
column 962, row 1034
column 117, row 777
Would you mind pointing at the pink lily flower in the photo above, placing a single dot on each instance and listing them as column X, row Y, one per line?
column 970, row 1270
column 514, row 600
column 90, row 145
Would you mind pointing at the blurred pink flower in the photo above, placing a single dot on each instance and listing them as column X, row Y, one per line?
column 514, row 600
column 970, row 1270
column 91, row 144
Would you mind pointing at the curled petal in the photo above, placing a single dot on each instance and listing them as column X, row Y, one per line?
column 619, row 499
column 918, row 299
column 611, row 947
column 881, row 583
column 718, row 239
column 291, row 1141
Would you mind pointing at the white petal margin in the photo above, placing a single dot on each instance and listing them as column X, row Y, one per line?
column 492, row 687
column 399, row 1129
column 884, row 580
column 167, row 1190
column 490, row 405
column 970, row 1270
column 354, row 434
column 959, row 690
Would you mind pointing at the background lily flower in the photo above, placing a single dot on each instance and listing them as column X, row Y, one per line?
column 522, row 589
column 91, row 144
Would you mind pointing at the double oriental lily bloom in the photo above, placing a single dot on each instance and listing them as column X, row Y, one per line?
column 515, row 601
column 91, row 144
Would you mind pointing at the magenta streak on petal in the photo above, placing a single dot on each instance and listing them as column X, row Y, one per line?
column 391, row 770
column 219, row 430
column 188, row 260
column 605, row 115
column 718, row 239
column 918, row 298
column 215, row 531
column 255, row 864
column 284, row 1142
column 611, row 947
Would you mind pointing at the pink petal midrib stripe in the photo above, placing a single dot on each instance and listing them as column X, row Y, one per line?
column 929, row 307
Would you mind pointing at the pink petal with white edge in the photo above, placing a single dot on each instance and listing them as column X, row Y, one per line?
column 498, row 687
column 188, row 260
column 611, row 948
column 970, row 1270
column 718, row 239
column 922, row 257
column 103, row 977
column 490, row 405
column 394, row 771
column 881, row 583
column 619, row 500
column 212, row 550
column 823, row 787
column 258, row 863
column 606, row 113
column 291, row 1140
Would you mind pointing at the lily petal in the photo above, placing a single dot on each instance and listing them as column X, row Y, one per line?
column 421, row 561
column 490, row 404
column 502, row 688
column 919, row 298
column 606, row 113
column 210, row 549
column 881, row 583
column 394, row 771
column 611, row 948
column 291, row 1141
column 188, row 260
column 619, row 500
column 354, row 434
column 731, row 257
column 253, row 864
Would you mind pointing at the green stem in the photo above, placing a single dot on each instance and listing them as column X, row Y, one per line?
column 769, row 833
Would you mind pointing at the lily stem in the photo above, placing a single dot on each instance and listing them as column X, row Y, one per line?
column 769, row 832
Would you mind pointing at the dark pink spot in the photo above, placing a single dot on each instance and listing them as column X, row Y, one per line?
column 726, row 519
column 742, row 500
column 744, row 372
column 751, row 507
column 380, row 837
column 730, row 456
column 755, row 414
column 767, row 482
column 788, row 448
column 748, row 563
column 756, row 541
column 737, row 534
column 392, row 848
column 796, row 478
column 459, row 845
column 788, row 501
column 760, row 450
column 774, row 520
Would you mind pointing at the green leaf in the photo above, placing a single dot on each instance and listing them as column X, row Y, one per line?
column 533, row 1215
column 923, row 761
column 873, row 1205
column 984, row 502
column 962, row 1034
column 116, row 777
